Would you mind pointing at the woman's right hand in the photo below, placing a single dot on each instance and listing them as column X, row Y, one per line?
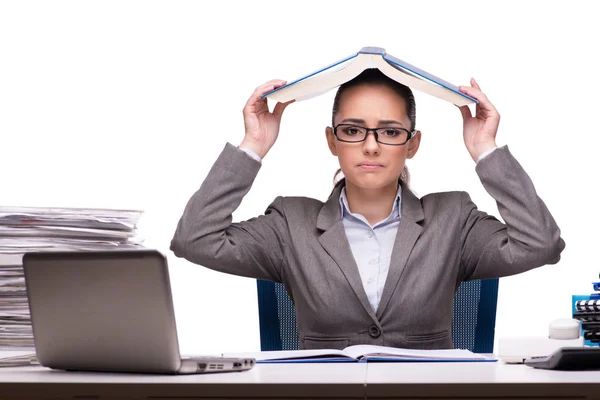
column 262, row 126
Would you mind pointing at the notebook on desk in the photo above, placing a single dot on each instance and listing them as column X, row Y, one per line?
column 109, row 311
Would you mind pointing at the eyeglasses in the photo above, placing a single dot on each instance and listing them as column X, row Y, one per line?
column 389, row 136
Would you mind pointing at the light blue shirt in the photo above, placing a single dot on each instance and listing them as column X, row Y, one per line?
column 371, row 245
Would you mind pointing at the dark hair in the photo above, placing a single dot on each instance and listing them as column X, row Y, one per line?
column 374, row 76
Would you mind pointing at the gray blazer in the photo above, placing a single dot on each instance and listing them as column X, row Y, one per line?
column 442, row 240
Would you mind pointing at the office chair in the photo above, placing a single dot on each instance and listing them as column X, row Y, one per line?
column 473, row 321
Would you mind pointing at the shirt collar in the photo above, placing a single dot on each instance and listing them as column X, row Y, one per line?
column 345, row 208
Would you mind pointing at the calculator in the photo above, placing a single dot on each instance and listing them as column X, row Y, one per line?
column 568, row 358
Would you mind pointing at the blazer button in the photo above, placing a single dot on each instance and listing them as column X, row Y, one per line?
column 374, row 331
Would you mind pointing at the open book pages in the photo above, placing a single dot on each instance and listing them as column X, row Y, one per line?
column 368, row 351
column 364, row 353
column 291, row 355
column 333, row 75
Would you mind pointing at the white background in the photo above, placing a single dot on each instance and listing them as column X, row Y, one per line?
column 127, row 104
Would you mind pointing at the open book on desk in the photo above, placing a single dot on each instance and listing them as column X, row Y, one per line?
column 364, row 353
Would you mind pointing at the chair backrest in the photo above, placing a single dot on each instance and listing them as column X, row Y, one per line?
column 473, row 322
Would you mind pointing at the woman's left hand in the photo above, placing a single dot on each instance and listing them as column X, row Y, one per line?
column 479, row 132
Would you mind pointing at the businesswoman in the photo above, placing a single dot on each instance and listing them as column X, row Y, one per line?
column 374, row 264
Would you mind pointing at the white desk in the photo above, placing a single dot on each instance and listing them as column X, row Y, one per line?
column 340, row 380
column 316, row 381
column 478, row 381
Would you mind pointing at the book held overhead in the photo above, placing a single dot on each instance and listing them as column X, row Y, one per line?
column 342, row 71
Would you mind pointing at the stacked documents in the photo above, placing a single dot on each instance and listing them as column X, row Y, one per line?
column 31, row 229
column 12, row 358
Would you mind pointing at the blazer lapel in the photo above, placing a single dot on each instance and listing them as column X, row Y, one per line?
column 408, row 232
column 335, row 243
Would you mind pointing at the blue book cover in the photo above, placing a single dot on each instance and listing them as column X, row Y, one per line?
column 411, row 76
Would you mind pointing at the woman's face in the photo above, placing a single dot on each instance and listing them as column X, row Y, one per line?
column 369, row 164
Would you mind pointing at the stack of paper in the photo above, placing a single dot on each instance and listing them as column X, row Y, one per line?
column 25, row 229
column 30, row 229
column 12, row 358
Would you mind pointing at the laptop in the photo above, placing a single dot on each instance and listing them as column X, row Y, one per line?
column 109, row 311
